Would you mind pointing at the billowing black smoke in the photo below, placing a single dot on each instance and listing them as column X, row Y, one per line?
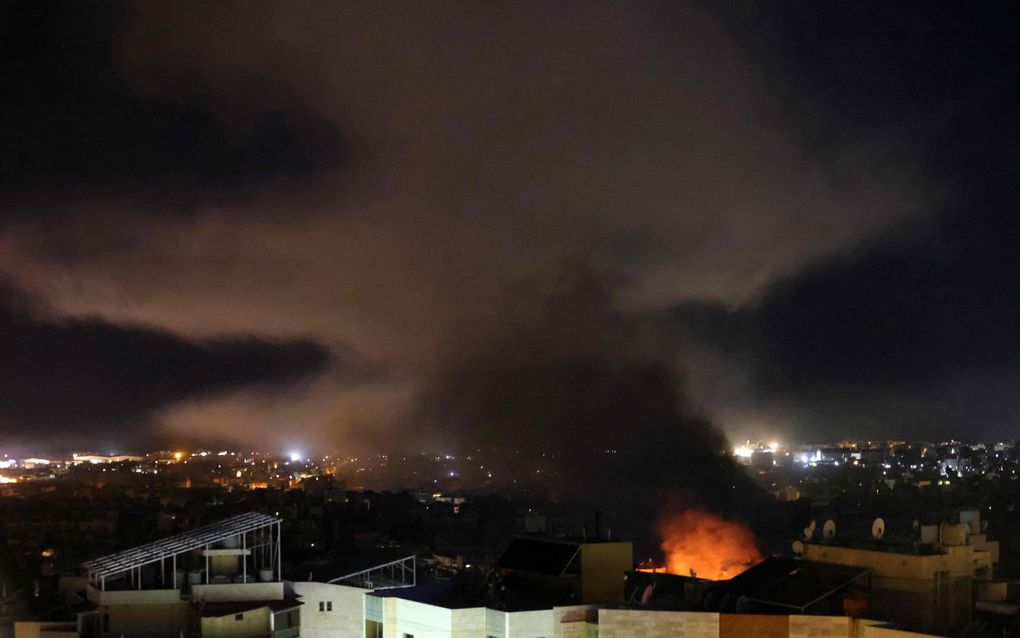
column 568, row 375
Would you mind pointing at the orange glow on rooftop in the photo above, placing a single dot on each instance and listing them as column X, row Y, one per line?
column 711, row 546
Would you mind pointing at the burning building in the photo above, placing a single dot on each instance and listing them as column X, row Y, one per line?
column 703, row 544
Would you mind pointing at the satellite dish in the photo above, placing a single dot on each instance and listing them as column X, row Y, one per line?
column 878, row 528
column 916, row 525
column 647, row 596
column 809, row 531
column 829, row 530
column 798, row 548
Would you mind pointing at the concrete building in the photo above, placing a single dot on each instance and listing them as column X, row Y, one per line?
column 224, row 581
column 930, row 586
column 537, row 589
column 221, row 580
column 629, row 623
column 37, row 629
column 331, row 610
column 567, row 572
column 468, row 609
column 397, row 616
column 773, row 586
column 337, row 606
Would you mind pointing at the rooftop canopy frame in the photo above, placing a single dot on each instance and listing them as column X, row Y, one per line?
column 398, row 573
column 262, row 529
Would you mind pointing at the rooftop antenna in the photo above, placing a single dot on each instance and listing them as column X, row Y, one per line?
column 829, row 530
column 878, row 528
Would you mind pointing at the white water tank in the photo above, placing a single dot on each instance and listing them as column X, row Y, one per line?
column 266, row 574
column 195, row 577
column 231, row 542
column 972, row 519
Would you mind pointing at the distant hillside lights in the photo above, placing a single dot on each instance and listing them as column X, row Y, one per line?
column 95, row 459
column 747, row 452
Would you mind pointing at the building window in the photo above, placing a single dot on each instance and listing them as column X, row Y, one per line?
column 322, row 606
column 329, row 605
column 238, row 616
column 373, row 629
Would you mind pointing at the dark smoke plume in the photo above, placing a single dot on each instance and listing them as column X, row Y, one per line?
column 566, row 375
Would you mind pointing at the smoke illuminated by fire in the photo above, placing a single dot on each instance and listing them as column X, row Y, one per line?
column 712, row 546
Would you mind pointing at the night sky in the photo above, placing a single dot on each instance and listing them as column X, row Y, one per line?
column 355, row 227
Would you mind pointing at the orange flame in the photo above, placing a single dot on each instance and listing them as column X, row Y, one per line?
column 712, row 546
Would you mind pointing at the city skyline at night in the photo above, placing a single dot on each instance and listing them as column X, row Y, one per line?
column 237, row 222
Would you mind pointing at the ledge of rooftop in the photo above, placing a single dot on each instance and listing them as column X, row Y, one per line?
column 472, row 591
column 892, row 546
column 229, row 608
column 212, row 592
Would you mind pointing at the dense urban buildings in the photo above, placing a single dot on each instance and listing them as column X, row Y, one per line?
column 457, row 549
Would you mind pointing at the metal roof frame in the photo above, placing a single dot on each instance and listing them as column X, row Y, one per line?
column 181, row 543
column 402, row 563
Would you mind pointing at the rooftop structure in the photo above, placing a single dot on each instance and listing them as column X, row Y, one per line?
column 930, row 582
column 540, row 556
column 397, row 573
column 252, row 535
column 800, row 585
column 775, row 585
column 214, row 581
column 567, row 572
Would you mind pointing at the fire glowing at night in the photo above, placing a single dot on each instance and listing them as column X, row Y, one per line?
column 708, row 544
